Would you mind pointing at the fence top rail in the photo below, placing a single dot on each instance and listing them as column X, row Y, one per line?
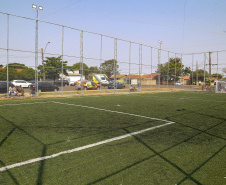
column 132, row 42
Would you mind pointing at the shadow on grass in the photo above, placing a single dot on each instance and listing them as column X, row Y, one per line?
column 155, row 154
column 166, row 160
column 7, row 136
column 10, row 174
column 205, row 162
column 41, row 168
column 187, row 176
column 204, row 131
column 99, row 131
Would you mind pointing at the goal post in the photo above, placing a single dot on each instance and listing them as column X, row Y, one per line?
column 220, row 86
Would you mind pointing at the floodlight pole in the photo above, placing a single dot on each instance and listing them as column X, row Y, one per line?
column 36, row 48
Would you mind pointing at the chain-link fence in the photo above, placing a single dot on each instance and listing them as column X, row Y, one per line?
column 57, row 56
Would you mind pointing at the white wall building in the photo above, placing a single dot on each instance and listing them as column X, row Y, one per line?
column 73, row 76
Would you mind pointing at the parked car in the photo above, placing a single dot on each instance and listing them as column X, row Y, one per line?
column 22, row 83
column 179, row 83
column 3, row 86
column 72, row 83
column 118, row 85
column 59, row 82
column 87, row 85
column 44, row 86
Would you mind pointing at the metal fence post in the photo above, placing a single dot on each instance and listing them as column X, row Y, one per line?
column 7, row 55
column 129, row 64
column 115, row 65
column 204, row 69
column 140, row 67
column 81, row 59
column 175, row 70
column 151, row 69
column 101, row 50
column 168, row 72
column 36, row 55
column 62, row 70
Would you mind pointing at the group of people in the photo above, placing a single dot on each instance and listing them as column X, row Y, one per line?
column 16, row 91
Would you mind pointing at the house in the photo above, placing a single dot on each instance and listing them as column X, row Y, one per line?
column 213, row 79
column 72, row 76
column 119, row 78
column 132, row 79
column 149, row 79
column 186, row 80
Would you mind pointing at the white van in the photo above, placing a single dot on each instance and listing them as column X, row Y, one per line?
column 101, row 79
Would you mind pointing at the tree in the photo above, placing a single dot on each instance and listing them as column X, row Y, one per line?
column 78, row 66
column 12, row 74
column 109, row 67
column 53, row 67
column 27, row 74
column 186, row 71
column 1, row 66
column 16, row 65
column 94, row 69
column 200, row 75
column 171, row 70
column 217, row 75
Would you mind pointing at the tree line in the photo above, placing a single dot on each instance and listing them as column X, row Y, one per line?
column 53, row 68
column 174, row 68
column 170, row 70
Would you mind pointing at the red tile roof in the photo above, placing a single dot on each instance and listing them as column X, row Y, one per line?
column 213, row 79
column 18, row 70
column 132, row 76
column 153, row 75
column 185, row 77
column 117, row 76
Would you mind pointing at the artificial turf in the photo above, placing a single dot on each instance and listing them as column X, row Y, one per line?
column 189, row 151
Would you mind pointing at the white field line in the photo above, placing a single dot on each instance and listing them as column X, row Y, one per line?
column 86, row 146
column 5, row 168
column 22, row 104
column 125, row 113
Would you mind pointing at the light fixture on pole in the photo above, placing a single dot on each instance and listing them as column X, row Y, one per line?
column 44, row 78
column 160, row 42
column 36, row 47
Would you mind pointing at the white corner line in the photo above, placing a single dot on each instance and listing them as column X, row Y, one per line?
column 5, row 168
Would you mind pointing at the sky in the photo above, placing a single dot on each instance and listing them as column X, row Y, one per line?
column 184, row 26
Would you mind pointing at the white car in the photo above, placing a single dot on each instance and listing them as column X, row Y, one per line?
column 21, row 83
column 179, row 83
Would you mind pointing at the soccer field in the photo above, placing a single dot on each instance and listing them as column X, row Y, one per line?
column 158, row 138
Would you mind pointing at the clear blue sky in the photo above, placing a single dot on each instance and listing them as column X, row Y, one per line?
column 183, row 25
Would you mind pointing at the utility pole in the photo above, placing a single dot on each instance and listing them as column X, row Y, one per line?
column 43, row 65
column 159, row 62
column 210, row 63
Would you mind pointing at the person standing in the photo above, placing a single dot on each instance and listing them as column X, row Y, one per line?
column 138, row 86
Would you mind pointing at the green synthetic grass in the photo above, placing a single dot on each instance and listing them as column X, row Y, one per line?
column 190, row 151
